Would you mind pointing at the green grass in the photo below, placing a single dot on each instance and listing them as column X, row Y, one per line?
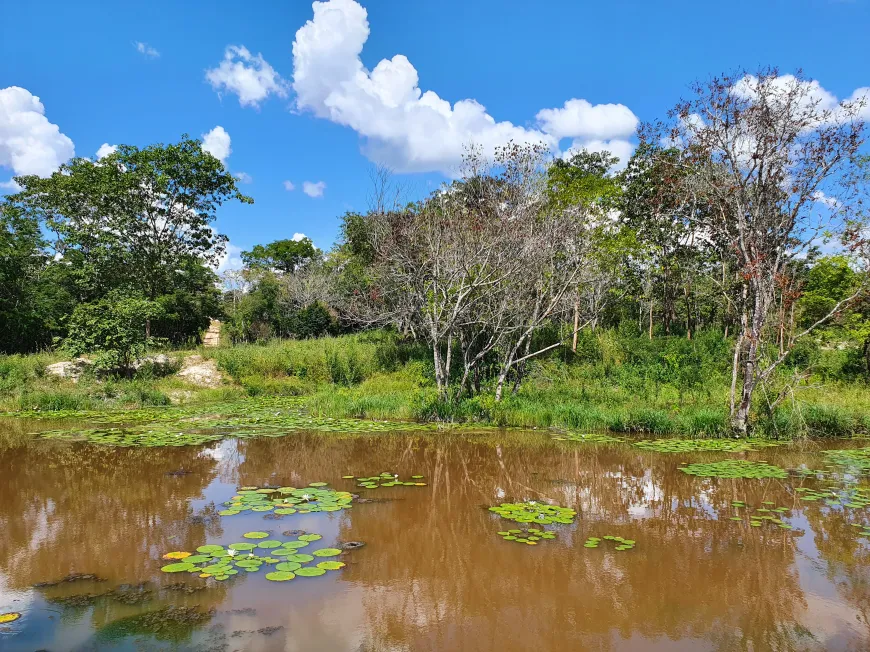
column 617, row 383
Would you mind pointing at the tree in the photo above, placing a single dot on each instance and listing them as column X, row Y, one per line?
column 22, row 261
column 285, row 256
column 764, row 169
column 130, row 221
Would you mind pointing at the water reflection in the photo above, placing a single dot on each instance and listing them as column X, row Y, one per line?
column 433, row 575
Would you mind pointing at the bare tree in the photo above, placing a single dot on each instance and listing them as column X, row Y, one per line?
column 763, row 166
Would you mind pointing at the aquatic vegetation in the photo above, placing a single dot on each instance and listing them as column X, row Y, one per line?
column 703, row 445
column 757, row 516
column 219, row 563
column 853, row 458
column 530, row 536
column 865, row 530
column 534, row 512
column 735, row 469
column 9, row 617
column 587, row 437
column 852, row 497
column 192, row 426
column 387, row 479
column 171, row 623
column 176, row 555
column 620, row 543
column 316, row 497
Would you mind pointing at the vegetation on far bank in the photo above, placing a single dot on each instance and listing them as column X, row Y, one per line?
column 616, row 381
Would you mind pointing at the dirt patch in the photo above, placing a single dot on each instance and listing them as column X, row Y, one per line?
column 198, row 371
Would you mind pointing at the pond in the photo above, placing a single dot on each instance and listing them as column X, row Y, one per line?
column 642, row 555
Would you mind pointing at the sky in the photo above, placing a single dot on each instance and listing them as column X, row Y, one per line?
column 302, row 100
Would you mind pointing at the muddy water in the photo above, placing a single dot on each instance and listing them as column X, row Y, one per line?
column 433, row 574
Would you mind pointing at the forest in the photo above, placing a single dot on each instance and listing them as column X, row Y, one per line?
column 713, row 284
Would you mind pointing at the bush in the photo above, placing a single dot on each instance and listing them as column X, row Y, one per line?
column 113, row 329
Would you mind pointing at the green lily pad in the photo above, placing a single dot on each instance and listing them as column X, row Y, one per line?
column 330, row 565
column 179, row 567
column 310, row 537
column 280, row 576
column 256, row 535
column 327, row 552
column 269, row 543
column 288, row 566
column 242, row 546
column 310, row 572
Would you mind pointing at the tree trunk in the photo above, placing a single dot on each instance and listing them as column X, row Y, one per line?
column 576, row 326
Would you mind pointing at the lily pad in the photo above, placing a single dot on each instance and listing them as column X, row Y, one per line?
column 330, row 565
column 280, row 576
column 10, row 617
column 179, row 567
column 256, row 535
column 310, row 572
column 288, row 566
column 326, row 552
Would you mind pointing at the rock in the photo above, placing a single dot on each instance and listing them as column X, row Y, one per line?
column 198, row 371
column 72, row 369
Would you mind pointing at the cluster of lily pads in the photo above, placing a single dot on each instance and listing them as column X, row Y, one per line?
column 703, row 445
column 587, row 437
column 191, row 426
column 852, row 497
column 531, row 536
column 386, row 479
column 283, row 558
column 316, row 497
column 734, row 469
column 621, row 544
column 534, row 512
column 853, row 458
column 769, row 512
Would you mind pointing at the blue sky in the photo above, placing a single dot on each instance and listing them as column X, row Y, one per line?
column 324, row 114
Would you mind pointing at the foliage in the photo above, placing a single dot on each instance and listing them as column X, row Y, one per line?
column 284, row 256
column 113, row 329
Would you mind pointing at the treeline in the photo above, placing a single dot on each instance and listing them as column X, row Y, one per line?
column 743, row 211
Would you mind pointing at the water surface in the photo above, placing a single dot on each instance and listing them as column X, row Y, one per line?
column 433, row 574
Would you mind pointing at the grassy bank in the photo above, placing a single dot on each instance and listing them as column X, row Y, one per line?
column 619, row 383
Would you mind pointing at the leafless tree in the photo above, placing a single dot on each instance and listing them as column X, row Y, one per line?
column 764, row 167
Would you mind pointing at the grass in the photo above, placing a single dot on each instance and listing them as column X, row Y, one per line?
column 615, row 382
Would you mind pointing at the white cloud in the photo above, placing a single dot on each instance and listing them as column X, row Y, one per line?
column 147, row 50
column 813, row 94
column 29, row 143
column 217, row 143
column 231, row 258
column 299, row 236
column 10, row 185
column 313, row 189
column 105, row 150
column 288, row 186
column 248, row 76
column 580, row 119
column 409, row 129
column 243, row 177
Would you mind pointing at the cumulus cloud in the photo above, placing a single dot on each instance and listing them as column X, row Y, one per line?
column 217, row 143
column 243, row 177
column 10, row 185
column 299, row 236
column 409, row 129
column 231, row 259
column 313, row 189
column 29, row 143
column 147, row 50
column 814, row 95
column 288, row 186
column 105, row 150
column 247, row 75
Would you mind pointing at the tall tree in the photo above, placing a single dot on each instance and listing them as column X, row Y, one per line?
column 285, row 256
column 765, row 168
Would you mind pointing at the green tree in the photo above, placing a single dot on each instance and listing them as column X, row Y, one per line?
column 134, row 220
column 285, row 256
column 22, row 262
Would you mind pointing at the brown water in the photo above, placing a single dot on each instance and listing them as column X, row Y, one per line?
column 433, row 574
